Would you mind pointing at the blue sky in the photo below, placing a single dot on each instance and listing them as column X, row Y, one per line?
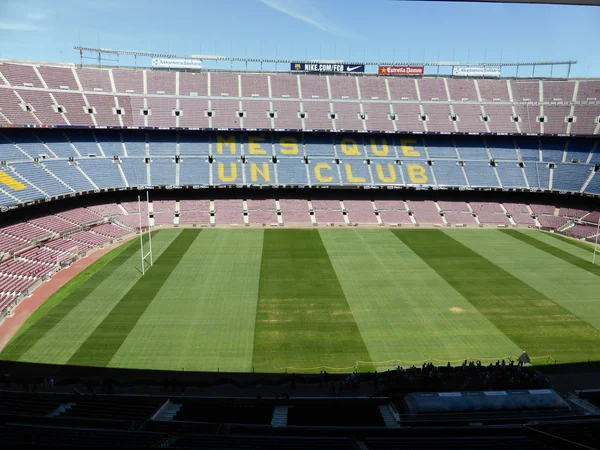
column 46, row 30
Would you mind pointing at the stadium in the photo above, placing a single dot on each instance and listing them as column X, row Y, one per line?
column 405, row 249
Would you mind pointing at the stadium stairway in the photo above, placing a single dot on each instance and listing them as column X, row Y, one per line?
column 61, row 409
column 280, row 415
column 566, row 226
column 390, row 417
column 167, row 411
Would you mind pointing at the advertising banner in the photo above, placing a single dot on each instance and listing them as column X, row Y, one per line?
column 327, row 67
column 476, row 71
column 172, row 63
column 401, row 70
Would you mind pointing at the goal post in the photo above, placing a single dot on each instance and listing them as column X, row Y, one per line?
column 72, row 251
column 596, row 249
column 147, row 259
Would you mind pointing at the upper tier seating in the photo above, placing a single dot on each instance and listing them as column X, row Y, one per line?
column 147, row 98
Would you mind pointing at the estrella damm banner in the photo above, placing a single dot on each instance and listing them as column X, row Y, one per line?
column 402, row 70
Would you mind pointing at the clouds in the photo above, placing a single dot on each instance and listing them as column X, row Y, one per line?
column 22, row 16
column 308, row 11
column 19, row 26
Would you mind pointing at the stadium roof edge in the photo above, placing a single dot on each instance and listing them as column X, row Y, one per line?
column 429, row 75
column 25, row 61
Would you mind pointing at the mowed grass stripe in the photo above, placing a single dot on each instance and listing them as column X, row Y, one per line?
column 583, row 250
column 574, row 289
column 554, row 251
column 65, row 300
column 81, row 321
column 406, row 311
column 526, row 316
column 203, row 317
column 303, row 319
column 100, row 347
column 587, row 246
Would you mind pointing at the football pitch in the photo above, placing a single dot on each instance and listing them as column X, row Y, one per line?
column 300, row 300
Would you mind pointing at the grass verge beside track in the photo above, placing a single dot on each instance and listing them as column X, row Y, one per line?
column 65, row 300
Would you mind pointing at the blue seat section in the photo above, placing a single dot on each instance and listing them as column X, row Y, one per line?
column 162, row 143
column 596, row 155
column 594, row 185
column 258, row 145
column 292, row 171
column 553, row 150
column 135, row 171
column 381, row 147
column 323, row 171
column 9, row 152
column 69, row 174
column 135, row 143
column 410, row 147
column 417, row 173
column 529, row 148
column 84, row 142
column 579, row 150
column 570, row 177
column 196, row 144
column 538, row 175
column 355, row 172
column 288, row 145
column 472, row 149
column 260, row 171
column 40, row 178
column 227, row 170
column 110, row 142
column 194, row 171
column 27, row 142
column 386, row 172
column 440, row 147
column 5, row 200
column 24, row 194
column 351, row 146
column 104, row 172
column 511, row 175
column 57, row 142
column 448, row 173
column 502, row 149
column 481, row 174
column 319, row 145
column 163, row 171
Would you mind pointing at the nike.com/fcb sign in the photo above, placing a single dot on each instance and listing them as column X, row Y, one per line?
column 326, row 67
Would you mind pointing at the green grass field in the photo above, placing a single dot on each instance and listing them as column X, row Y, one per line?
column 271, row 300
